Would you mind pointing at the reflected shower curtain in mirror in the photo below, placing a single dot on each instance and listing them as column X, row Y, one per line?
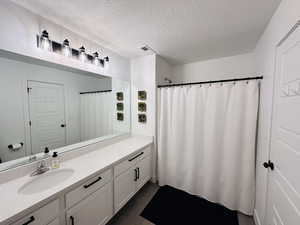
column 96, row 115
column 207, row 139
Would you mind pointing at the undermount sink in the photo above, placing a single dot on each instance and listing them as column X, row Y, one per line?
column 45, row 181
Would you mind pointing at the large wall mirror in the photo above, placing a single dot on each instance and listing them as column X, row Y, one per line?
column 44, row 107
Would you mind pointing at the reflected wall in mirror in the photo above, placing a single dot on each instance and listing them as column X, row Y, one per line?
column 45, row 107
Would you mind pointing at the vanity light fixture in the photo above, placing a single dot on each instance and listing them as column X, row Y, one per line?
column 67, row 51
column 45, row 42
column 64, row 49
column 82, row 54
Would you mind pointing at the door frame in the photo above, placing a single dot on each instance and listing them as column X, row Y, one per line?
column 27, row 111
column 275, row 80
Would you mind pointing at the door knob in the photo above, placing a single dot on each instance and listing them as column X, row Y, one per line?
column 269, row 164
column 63, row 125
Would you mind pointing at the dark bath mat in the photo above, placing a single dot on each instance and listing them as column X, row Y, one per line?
column 171, row 206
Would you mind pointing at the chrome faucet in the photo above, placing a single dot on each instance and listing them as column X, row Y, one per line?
column 42, row 168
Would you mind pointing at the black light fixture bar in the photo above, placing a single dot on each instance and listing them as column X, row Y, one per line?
column 93, row 92
column 212, row 81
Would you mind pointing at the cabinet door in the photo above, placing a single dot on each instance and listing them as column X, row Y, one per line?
column 144, row 171
column 55, row 222
column 42, row 216
column 96, row 209
column 125, row 186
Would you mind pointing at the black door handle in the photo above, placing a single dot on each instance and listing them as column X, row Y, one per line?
column 72, row 220
column 29, row 221
column 269, row 164
column 63, row 125
column 95, row 181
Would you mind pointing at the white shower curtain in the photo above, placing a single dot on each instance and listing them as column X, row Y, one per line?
column 96, row 115
column 206, row 141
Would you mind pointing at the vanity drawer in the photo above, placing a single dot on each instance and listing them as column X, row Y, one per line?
column 131, row 161
column 88, row 188
column 42, row 216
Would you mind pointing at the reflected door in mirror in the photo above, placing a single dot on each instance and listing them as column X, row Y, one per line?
column 47, row 115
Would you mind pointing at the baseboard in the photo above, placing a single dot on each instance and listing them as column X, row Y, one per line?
column 256, row 218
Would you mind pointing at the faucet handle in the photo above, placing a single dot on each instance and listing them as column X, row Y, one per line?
column 42, row 164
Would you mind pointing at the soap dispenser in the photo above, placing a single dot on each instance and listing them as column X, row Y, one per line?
column 55, row 161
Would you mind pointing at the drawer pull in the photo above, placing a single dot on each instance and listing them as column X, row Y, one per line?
column 136, row 156
column 29, row 221
column 95, row 181
column 135, row 175
column 72, row 220
column 138, row 173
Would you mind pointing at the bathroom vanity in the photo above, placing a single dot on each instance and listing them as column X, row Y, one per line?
column 88, row 188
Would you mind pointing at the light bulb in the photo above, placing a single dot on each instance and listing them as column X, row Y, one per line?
column 96, row 59
column 45, row 43
column 66, row 48
column 82, row 54
column 106, row 63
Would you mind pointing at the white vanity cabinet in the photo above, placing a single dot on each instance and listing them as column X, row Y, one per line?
column 94, row 195
column 130, row 176
column 46, row 215
column 96, row 209
column 92, row 202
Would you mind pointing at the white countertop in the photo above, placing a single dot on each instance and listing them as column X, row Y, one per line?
column 14, row 203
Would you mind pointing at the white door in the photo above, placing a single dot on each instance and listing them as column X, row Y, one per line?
column 144, row 171
column 284, row 181
column 47, row 115
column 124, row 188
column 97, row 209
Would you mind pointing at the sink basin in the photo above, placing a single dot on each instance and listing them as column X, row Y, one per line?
column 45, row 181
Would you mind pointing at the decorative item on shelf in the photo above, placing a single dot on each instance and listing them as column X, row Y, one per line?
column 44, row 41
column 142, row 95
column 120, row 96
column 15, row 147
column 142, row 107
column 120, row 116
column 120, row 106
column 142, row 118
column 64, row 48
column 67, row 51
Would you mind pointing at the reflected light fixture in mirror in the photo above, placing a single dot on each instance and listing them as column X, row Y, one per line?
column 106, row 62
column 66, row 48
column 82, row 54
column 96, row 59
column 44, row 41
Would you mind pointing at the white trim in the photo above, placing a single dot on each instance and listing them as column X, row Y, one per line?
column 256, row 218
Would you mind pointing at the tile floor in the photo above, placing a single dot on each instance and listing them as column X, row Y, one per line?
column 129, row 214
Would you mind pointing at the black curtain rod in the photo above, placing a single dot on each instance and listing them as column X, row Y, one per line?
column 212, row 81
column 92, row 92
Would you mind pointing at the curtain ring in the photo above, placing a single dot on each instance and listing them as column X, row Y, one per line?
column 210, row 84
column 247, row 82
column 221, row 84
column 234, row 82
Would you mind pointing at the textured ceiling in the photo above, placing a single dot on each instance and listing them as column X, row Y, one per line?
column 180, row 30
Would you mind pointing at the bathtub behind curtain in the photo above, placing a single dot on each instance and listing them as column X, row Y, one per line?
column 206, row 141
